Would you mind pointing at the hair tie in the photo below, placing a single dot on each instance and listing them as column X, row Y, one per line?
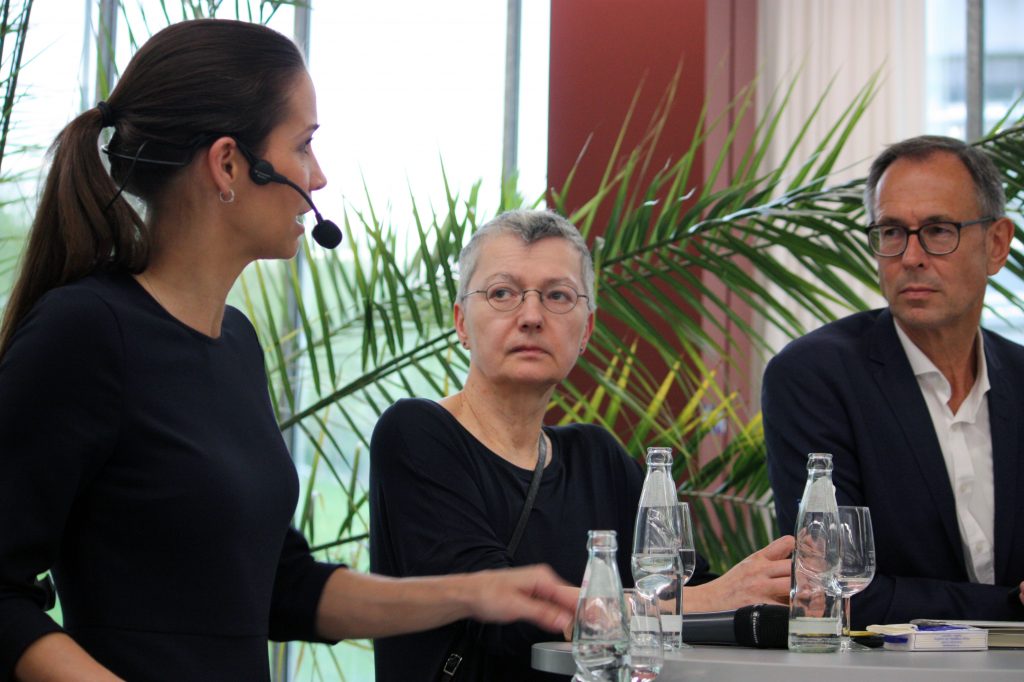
column 106, row 115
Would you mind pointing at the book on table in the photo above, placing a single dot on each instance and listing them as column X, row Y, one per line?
column 932, row 636
column 1002, row 634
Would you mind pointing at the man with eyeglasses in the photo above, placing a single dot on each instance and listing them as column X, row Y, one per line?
column 920, row 407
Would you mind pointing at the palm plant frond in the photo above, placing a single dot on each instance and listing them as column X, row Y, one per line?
column 379, row 317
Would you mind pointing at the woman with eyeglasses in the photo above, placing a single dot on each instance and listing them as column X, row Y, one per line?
column 449, row 479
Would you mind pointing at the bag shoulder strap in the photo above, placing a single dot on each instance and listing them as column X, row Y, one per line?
column 463, row 639
column 531, row 495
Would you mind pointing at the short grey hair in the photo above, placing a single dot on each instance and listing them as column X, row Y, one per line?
column 532, row 225
column 988, row 182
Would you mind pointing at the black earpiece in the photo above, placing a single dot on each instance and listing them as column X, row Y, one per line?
column 261, row 172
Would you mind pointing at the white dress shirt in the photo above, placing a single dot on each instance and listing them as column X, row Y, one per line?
column 966, row 442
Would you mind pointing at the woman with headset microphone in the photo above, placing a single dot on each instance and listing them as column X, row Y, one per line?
column 140, row 461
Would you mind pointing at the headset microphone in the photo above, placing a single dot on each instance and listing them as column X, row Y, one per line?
column 325, row 232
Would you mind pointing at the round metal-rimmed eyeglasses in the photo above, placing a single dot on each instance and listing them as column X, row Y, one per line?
column 559, row 299
column 937, row 238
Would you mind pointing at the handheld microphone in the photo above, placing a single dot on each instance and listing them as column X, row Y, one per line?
column 765, row 626
column 325, row 232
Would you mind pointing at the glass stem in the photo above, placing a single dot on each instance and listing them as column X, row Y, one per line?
column 846, row 617
column 681, row 592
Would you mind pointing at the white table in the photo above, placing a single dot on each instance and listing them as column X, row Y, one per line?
column 725, row 664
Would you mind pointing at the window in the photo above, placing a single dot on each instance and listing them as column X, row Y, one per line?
column 404, row 86
column 1003, row 65
column 946, row 38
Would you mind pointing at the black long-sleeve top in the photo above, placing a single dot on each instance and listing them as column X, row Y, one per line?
column 142, row 463
column 442, row 502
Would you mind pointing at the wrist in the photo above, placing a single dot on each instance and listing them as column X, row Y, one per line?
column 696, row 599
column 461, row 594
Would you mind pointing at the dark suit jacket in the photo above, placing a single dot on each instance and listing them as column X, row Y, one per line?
column 848, row 389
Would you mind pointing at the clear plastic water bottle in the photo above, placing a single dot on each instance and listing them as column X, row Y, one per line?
column 815, row 594
column 657, row 560
column 600, row 638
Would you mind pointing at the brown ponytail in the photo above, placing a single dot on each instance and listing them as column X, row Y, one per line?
column 191, row 79
column 71, row 235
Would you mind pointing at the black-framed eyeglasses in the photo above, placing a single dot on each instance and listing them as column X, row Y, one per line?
column 938, row 238
column 558, row 299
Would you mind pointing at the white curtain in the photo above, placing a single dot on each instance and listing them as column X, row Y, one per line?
column 845, row 42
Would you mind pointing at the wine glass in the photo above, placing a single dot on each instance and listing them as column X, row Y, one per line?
column 687, row 558
column 856, row 563
column 657, row 564
column 645, row 653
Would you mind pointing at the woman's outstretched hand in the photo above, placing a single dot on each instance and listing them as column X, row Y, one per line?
column 531, row 593
column 357, row 604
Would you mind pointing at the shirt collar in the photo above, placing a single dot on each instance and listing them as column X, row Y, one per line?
column 926, row 371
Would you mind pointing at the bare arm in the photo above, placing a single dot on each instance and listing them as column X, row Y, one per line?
column 366, row 605
column 56, row 657
column 763, row 577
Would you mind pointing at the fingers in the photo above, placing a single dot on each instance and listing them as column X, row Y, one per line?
column 567, row 596
column 545, row 615
column 553, row 599
column 572, row 596
column 779, row 569
column 778, row 549
column 547, row 585
column 531, row 593
column 778, row 590
column 550, row 602
column 771, row 561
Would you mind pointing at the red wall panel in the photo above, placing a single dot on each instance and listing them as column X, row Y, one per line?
column 601, row 52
